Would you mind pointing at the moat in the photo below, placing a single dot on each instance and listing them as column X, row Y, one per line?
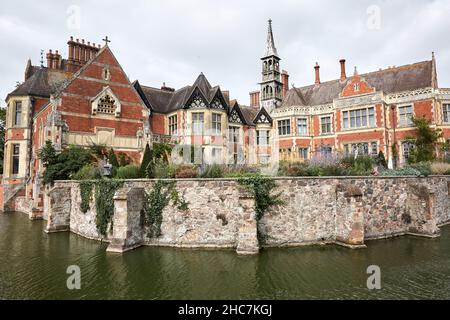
column 33, row 266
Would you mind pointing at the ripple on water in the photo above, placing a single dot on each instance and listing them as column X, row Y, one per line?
column 34, row 264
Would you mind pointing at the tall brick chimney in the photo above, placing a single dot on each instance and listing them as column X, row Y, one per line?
column 285, row 82
column 80, row 53
column 343, row 74
column 317, row 67
column 254, row 99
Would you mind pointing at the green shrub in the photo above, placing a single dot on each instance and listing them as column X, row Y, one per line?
column 146, row 160
column 423, row 167
column 124, row 159
column 213, row 171
column 128, row 172
column 163, row 170
column 380, row 160
column 407, row 171
column 88, row 172
column 66, row 164
column 162, row 151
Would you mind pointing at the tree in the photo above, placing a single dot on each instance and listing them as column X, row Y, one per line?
column 162, row 151
column 146, row 160
column 425, row 142
column 380, row 160
column 48, row 154
column 2, row 136
column 65, row 164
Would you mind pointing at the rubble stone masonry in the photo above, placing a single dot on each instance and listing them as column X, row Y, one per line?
column 344, row 210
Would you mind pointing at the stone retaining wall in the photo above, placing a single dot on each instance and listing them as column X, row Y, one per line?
column 220, row 212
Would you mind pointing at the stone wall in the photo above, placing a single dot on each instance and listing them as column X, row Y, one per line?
column 220, row 212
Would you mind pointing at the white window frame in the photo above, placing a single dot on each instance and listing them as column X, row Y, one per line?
column 305, row 126
column 359, row 114
column 331, row 125
column 198, row 127
column 401, row 123
column 216, row 126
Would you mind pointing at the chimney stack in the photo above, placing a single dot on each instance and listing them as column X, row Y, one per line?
column 343, row 74
column 49, row 59
column 80, row 53
column 285, row 82
column 317, row 67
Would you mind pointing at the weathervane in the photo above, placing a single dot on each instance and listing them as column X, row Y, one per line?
column 42, row 58
column 106, row 40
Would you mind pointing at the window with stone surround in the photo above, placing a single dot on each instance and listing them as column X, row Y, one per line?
column 173, row 125
column 361, row 118
column 18, row 113
column 405, row 115
column 325, row 125
column 407, row 147
column 302, row 127
column 284, row 127
column 446, row 110
column 262, row 137
column 197, row 122
column 303, row 153
column 15, row 159
column 361, row 149
column 234, row 134
column 216, row 123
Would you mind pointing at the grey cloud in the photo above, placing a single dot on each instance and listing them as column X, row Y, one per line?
column 173, row 41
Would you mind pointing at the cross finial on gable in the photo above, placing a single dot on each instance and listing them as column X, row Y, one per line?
column 106, row 40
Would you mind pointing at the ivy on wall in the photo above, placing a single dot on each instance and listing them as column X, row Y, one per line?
column 162, row 194
column 104, row 202
column 261, row 188
column 86, row 187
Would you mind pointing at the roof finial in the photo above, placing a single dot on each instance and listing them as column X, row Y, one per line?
column 106, row 40
column 356, row 71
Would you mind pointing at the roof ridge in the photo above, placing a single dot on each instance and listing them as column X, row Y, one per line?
column 366, row 74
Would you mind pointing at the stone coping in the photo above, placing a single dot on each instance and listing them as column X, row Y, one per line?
column 275, row 178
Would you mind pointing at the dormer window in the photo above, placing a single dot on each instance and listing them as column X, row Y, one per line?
column 106, row 103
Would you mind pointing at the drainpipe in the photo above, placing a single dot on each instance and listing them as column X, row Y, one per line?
column 394, row 142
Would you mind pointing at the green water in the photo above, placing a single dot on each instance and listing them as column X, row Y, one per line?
column 33, row 266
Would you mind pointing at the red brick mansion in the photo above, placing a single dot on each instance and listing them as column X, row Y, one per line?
column 87, row 98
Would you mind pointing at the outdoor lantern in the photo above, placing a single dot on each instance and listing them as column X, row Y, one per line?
column 107, row 169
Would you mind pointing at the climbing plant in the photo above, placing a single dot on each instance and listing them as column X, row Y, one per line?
column 86, row 187
column 104, row 203
column 261, row 188
column 162, row 194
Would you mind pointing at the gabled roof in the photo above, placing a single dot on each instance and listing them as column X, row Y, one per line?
column 404, row 78
column 262, row 113
column 42, row 83
column 164, row 101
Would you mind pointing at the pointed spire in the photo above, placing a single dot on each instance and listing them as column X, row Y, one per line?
column 270, row 50
column 356, row 71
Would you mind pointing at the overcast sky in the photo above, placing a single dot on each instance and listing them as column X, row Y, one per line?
column 173, row 41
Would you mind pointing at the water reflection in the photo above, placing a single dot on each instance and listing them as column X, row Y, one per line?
column 33, row 266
